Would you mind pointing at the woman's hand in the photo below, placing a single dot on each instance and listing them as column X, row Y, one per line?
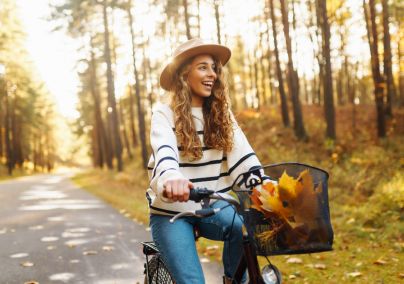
column 178, row 189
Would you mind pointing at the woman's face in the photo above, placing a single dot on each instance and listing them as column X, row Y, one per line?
column 202, row 77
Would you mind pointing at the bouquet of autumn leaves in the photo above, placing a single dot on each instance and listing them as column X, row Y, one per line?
column 291, row 210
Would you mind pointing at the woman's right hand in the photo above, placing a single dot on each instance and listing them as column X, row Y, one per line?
column 178, row 189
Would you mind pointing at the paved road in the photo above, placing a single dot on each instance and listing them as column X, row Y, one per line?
column 48, row 221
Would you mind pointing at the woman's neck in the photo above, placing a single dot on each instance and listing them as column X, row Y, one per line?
column 197, row 101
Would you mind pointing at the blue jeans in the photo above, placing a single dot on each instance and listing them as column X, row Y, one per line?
column 176, row 242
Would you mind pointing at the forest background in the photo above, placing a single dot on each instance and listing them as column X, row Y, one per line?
column 314, row 81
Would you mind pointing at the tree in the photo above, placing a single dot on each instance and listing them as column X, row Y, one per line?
column 377, row 79
column 142, row 126
column 329, row 111
column 300, row 132
column 188, row 29
column 284, row 103
column 388, row 66
column 111, row 90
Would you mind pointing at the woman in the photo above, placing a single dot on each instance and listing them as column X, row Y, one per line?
column 196, row 143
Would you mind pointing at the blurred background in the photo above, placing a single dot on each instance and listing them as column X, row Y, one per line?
column 314, row 81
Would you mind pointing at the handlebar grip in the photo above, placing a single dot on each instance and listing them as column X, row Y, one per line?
column 193, row 194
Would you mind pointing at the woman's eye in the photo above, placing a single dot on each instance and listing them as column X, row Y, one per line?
column 203, row 68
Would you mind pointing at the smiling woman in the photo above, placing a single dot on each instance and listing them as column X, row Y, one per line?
column 196, row 142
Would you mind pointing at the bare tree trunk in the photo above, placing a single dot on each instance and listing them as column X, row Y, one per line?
column 300, row 132
column 199, row 18
column 217, row 16
column 381, row 123
column 388, row 66
column 132, row 118
column 264, row 89
column 7, row 133
column 111, row 90
column 187, row 19
column 103, row 141
column 273, row 94
column 125, row 136
column 329, row 111
column 142, row 126
column 284, row 103
column 401, row 73
column 257, row 92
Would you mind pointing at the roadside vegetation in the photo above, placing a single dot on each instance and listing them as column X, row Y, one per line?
column 366, row 192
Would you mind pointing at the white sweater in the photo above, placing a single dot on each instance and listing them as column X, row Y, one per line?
column 216, row 170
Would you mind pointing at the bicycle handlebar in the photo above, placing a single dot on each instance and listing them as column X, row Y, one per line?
column 197, row 194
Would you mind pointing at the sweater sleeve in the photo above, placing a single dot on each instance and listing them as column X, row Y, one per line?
column 165, row 150
column 242, row 158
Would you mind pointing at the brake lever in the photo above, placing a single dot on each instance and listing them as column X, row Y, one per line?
column 206, row 212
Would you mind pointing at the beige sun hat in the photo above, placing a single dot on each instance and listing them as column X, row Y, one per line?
column 190, row 49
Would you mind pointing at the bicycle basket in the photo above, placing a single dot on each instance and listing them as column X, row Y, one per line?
column 292, row 217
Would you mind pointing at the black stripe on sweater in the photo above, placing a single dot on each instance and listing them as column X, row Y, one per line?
column 170, row 169
column 195, row 180
column 190, row 165
column 199, row 132
column 203, row 149
column 240, row 161
column 160, row 161
column 165, row 146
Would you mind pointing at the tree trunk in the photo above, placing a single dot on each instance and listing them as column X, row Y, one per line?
column 217, row 16
column 329, row 111
column 388, row 66
column 132, row 118
column 187, row 19
column 300, row 132
column 125, row 136
column 284, row 103
column 199, row 18
column 103, row 141
column 7, row 134
column 141, row 120
column 264, row 89
column 401, row 73
column 111, row 90
column 257, row 92
column 378, row 82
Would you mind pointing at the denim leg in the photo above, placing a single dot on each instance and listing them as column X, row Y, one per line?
column 217, row 227
column 176, row 245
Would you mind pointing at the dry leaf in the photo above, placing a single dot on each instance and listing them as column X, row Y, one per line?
column 292, row 276
column 379, row 261
column 400, row 275
column 355, row 274
column 358, row 264
column 31, row 282
column 294, row 260
column 71, row 245
column 337, row 263
column 320, row 266
column 90, row 252
column 309, row 265
column 320, row 257
column 119, row 233
column 107, row 248
column 27, row 264
column 122, row 211
column 127, row 215
column 212, row 247
column 50, row 247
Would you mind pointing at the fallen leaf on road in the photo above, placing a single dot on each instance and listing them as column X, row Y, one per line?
column 379, row 261
column 337, row 263
column 292, row 276
column 97, row 231
column 12, row 231
column 3, row 231
column 320, row 266
column 90, row 252
column 355, row 274
column 294, row 260
column 107, row 248
column 36, row 227
column 119, row 233
column 71, row 245
column 50, row 247
column 122, row 211
column 205, row 260
column 27, row 264
column 148, row 229
column 31, row 282
column 127, row 215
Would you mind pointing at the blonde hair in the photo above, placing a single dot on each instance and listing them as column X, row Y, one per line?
column 218, row 124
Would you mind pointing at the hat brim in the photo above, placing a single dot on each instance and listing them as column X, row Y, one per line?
column 220, row 52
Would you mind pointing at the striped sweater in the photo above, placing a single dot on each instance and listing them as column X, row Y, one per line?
column 216, row 170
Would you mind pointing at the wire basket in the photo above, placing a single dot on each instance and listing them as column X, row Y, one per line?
column 292, row 217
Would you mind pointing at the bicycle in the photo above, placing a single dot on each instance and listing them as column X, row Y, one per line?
column 255, row 224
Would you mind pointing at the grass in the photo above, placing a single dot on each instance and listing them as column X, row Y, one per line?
column 366, row 191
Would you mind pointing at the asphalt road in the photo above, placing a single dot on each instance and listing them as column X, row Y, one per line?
column 69, row 236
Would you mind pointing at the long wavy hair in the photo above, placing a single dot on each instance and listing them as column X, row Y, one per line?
column 218, row 124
